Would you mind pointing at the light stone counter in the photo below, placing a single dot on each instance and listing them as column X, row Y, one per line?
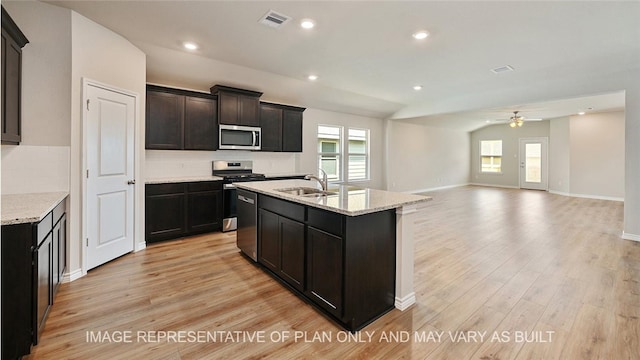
column 182, row 179
column 29, row 208
column 348, row 200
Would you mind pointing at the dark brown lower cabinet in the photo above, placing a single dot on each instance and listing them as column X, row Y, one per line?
column 344, row 265
column 33, row 265
column 282, row 247
column 324, row 263
column 182, row 209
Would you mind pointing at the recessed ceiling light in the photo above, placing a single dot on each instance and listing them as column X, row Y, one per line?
column 190, row 46
column 312, row 77
column 307, row 24
column 488, row 121
column 420, row 35
column 581, row 113
column 417, row 87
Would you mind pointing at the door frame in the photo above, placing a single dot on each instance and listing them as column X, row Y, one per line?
column 86, row 82
column 545, row 160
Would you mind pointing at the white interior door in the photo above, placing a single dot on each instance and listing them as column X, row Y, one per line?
column 110, row 120
column 533, row 163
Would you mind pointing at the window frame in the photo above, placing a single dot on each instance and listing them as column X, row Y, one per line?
column 481, row 167
column 343, row 153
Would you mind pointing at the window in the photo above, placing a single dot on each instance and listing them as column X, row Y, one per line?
column 354, row 165
column 329, row 145
column 491, row 156
column 358, row 154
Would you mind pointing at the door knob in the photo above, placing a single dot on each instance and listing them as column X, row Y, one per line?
column 131, row 182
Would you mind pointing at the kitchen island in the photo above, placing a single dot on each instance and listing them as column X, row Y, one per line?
column 348, row 250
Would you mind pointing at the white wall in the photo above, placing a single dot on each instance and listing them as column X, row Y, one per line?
column 420, row 157
column 104, row 56
column 559, row 156
column 41, row 162
column 597, row 155
column 510, row 176
column 46, row 70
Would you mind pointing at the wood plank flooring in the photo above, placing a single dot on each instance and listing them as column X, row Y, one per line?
column 542, row 276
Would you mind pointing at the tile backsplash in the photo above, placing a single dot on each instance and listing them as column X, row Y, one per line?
column 29, row 169
column 174, row 163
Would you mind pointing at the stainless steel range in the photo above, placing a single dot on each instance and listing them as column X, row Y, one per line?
column 233, row 171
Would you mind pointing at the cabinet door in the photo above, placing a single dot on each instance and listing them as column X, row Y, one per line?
column 271, row 124
column 11, row 93
column 200, row 124
column 165, row 213
column 203, row 209
column 165, row 121
column 324, row 270
column 43, row 282
column 229, row 108
column 249, row 110
column 292, row 252
column 292, row 131
column 269, row 252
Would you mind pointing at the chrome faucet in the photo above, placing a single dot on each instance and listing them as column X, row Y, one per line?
column 323, row 181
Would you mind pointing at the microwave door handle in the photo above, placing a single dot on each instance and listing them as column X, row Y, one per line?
column 253, row 133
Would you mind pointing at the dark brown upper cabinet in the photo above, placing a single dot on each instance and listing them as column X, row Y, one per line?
column 13, row 40
column 180, row 120
column 237, row 106
column 281, row 127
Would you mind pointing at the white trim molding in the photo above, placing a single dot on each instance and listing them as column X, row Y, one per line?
column 73, row 275
column 405, row 302
column 141, row 245
column 632, row 237
column 436, row 188
column 496, row 186
column 585, row 196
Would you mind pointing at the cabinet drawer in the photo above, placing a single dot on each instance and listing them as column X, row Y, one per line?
column 205, row 186
column 281, row 207
column 59, row 211
column 164, row 189
column 44, row 228
column 326, row 221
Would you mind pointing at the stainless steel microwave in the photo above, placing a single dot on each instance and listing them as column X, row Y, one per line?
column 234, row 137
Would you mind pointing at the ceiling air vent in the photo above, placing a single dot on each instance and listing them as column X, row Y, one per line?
column 274, row 19
column 502, row 69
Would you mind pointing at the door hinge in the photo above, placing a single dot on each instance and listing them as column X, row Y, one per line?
column 87, row 104
column 87, row 242
column 87, row 173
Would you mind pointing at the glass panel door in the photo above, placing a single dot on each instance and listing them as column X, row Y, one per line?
column 533, row 163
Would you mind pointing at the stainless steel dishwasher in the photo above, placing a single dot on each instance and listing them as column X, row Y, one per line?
column 247, row 233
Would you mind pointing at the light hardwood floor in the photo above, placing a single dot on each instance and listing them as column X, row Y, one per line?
column 498, row 262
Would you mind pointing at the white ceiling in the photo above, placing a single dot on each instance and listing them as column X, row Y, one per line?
column 367, row 61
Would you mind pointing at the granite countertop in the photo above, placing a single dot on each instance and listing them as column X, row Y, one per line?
column 29, row 208
column 182, row 179
column 351, row 201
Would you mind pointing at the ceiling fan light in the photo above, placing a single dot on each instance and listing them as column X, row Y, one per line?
column 520, row 122
column 512, row 124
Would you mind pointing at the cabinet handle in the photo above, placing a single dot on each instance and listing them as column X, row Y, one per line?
column 131, row 182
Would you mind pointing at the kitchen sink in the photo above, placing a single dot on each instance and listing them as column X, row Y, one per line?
column 305, row 191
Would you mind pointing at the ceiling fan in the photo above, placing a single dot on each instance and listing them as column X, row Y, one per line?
column 518, row 120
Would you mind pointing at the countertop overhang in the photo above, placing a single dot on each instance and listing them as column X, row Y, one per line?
column 349, row 200
column 29, row 208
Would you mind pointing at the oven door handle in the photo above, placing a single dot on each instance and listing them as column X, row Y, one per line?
column 228, row 186
column 245, row 199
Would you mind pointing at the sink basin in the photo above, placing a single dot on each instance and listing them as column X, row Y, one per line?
column 305, row 191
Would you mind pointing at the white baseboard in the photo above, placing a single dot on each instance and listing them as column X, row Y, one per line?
column 437, row 188
column 404, row 303
column 73, row 275
column 140, row 246
column 585, row 196
column 494, row 185
column 632, row 237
